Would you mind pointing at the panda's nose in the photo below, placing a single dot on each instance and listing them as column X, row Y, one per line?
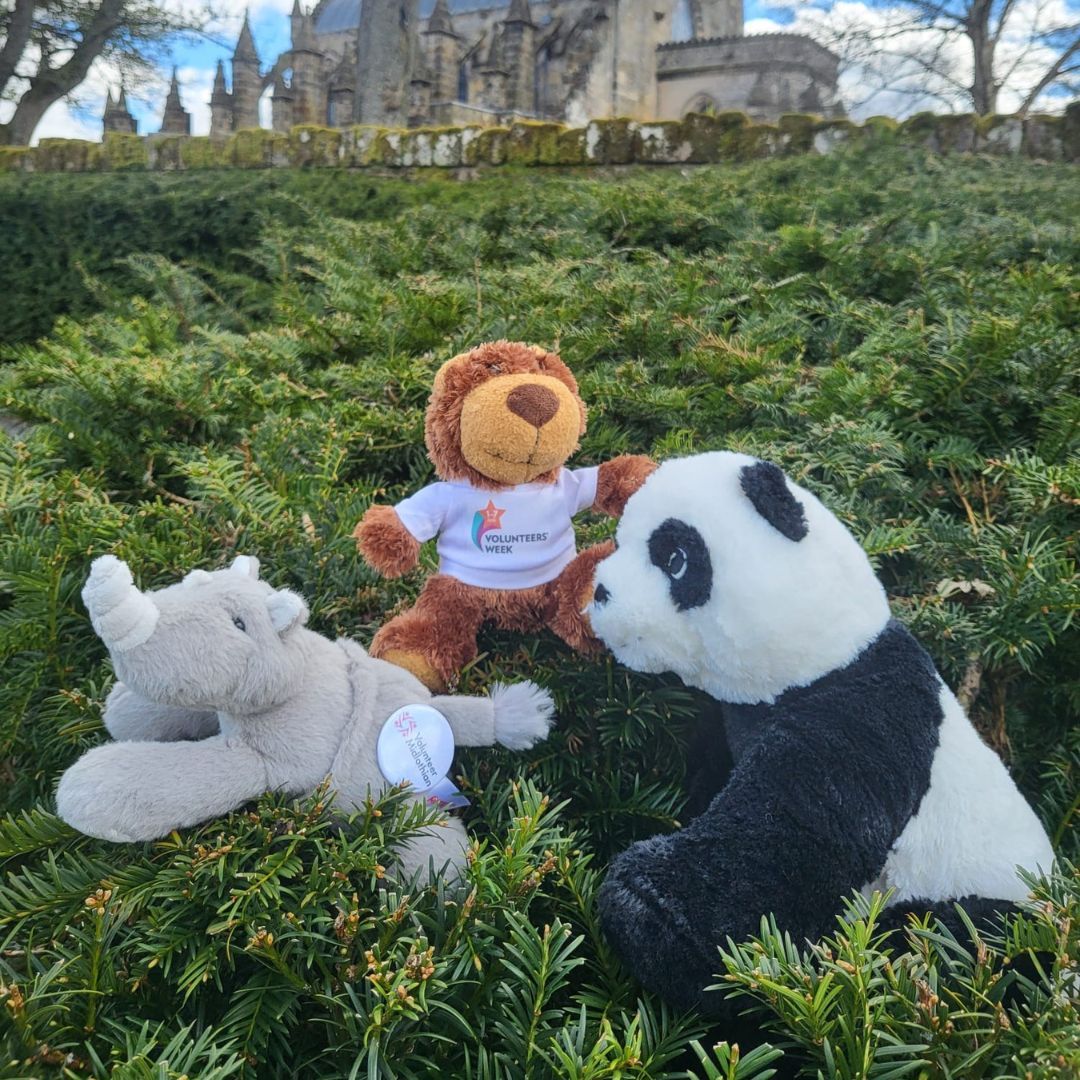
column 601, row 595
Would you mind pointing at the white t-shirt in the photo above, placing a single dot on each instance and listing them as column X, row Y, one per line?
column 512, row 539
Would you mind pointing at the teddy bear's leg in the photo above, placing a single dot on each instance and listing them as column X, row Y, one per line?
column 573, row 591
column 436, row 637
column 129, row 717
column 437, row 850
column 129, row 791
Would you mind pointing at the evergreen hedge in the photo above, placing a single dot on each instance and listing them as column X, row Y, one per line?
column 899, row 332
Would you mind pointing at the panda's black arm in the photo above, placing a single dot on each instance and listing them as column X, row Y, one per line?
column 779, row 838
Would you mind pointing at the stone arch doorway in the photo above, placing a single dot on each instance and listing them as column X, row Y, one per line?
column 701, row 103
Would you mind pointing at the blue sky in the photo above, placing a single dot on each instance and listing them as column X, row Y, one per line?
column 196, row 60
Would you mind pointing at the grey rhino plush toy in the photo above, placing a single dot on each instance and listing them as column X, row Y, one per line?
column 223, row 694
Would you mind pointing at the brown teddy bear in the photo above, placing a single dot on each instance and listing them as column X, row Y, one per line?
column 502, row 420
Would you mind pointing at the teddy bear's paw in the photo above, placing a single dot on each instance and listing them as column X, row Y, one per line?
column 523, row 714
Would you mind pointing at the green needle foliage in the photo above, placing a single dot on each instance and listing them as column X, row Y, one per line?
column 897, row 331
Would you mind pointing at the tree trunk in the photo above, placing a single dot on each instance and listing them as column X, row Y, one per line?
column 49, row 86
column 984, row 89
column 22, row 21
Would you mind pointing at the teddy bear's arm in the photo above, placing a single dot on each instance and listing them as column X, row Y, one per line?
column 516, row 716
column 618, row 479
column 129, row 717
column 130, row 791
column 385, row 542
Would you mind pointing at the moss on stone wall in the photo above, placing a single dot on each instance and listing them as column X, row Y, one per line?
column 122, row 152
column 1070, row 132
column 533, row 142
column 610, row 142
column 943, row 134
column 257, row 148
column 830, row 134
column 1043, row 138
column 386, row 148
column 15, row 158
column 201, row 152
column 571, row 147
column 661, row 143
column 696, row 139
column 728, row 136
column 312, row 145
column 358, row 145
column 164, row 152
column 65, row 155
column 486, row 147
column 797, row 130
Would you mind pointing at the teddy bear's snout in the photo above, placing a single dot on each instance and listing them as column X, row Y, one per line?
column 535, row 404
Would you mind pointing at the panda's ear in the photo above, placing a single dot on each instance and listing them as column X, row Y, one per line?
column 766, row 487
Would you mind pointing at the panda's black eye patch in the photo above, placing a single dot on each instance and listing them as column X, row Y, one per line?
column 680, row 552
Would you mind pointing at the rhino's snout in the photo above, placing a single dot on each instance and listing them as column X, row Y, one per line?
column 122, row 616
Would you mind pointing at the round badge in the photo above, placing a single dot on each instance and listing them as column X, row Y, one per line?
column 416, row 744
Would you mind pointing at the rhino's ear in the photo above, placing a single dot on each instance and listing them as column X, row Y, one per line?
column 248, row 565
column 286, row 610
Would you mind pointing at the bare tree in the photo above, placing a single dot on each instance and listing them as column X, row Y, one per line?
column 47, row 49
column 962, row 53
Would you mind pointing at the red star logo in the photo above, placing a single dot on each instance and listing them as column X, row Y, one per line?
column 492, row 517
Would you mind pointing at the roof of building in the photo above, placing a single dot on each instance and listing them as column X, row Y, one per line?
column 338, row 15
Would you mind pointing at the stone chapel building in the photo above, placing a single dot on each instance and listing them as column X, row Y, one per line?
column 447, row 62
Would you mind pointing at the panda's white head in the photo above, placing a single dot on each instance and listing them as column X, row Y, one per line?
column 736, row 579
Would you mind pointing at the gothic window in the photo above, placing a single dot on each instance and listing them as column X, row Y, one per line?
column 702, row 104
column 682, row 21
column 463, row 81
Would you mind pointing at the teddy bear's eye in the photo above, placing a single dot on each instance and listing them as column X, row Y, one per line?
column 676, row 564
column 239, row 623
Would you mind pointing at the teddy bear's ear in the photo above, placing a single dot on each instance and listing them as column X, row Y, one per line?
column 440, row 375
column 248, row 565
column 286, row 610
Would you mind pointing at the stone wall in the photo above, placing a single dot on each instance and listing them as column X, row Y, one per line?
column 696, row 140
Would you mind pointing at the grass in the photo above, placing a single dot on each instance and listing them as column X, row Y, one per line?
column 898, row 331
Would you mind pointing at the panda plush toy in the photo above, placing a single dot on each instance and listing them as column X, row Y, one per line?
column 852, row 765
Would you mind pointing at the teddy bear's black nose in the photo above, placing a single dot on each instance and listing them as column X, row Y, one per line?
column 601, row 595
column 535, row 405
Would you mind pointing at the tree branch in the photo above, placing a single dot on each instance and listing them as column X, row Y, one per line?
column 1055, row 72
column 18, row 36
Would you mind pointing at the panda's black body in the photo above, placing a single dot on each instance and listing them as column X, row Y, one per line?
column 844, row 762
column 856, row 745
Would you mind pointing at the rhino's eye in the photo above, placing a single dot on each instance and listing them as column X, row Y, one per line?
column 239, row 623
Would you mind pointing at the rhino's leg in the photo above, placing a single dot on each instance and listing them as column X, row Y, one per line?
column 129, row 791
column 436, row 637
column 129, row 717
column 436, row 850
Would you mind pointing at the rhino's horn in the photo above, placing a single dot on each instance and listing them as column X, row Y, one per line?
column 122, row 616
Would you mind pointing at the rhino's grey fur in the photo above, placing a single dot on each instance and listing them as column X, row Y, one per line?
column 223, row 693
